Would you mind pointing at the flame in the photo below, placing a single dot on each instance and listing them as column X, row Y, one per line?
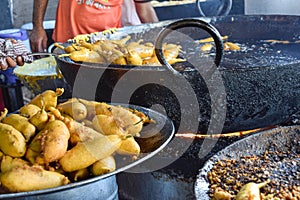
column 220, row 135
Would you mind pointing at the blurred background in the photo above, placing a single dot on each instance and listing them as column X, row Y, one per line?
column 15, row 13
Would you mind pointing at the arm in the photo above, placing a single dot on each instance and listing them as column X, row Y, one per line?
column 129, row 14
column 38, row 36
column 146, row 12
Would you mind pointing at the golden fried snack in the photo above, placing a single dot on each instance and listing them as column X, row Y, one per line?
column 108, row 125
column 8, row 163
column 75, row 109
column 50, row 144
column 129, row 147
column 96, row 108
column 1, row 155
column 79, row 132
column 134, row 44
column 117, row 121
column 27, row 178
column 64, row 143
column 251, row 191
column 133, row 58
column 103, row 166
column 93, row 47
column 115, row 56
column 120, row 52
column 47, row 99
column 170, row 52
column 152, row 61
column 122, row 42
column 56, row 114
column 207, row 47
column 3, row 114
column 69, row 49
column 107, row 45
column 29, row 110
column 87, row 123
column 128, row 120
column 231, row 46
column 12, row 141
column 87, row 45
column 211, row 39
column 143, row 50
column 22, row 124
column 220, row 194
column 40, row 119
column 143, row 116
column 228, row 46
column 85, row 55
column 120, row 61
column 80, row 174
column 86, row 153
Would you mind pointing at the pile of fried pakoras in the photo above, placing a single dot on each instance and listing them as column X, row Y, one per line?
column 49, row 144
column 120, row 52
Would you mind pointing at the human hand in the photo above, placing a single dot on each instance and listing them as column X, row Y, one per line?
column 38, row 40
column 13, row 53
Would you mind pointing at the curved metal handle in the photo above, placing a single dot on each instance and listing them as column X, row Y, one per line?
column 51, row 48
column 183, row 24
column 222, row 10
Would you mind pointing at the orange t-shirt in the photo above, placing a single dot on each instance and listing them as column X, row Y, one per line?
column 74, row 17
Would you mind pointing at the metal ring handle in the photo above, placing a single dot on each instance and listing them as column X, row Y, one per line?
column 51, row 48
column 223, row 9
column 183, row 24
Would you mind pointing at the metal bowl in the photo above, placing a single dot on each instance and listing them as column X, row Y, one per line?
column 153, row 138
column 40, row 75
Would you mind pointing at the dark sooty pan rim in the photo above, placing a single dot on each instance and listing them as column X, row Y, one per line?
column 252, row 145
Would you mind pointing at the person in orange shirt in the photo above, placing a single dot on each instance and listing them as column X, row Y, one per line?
column 74, row 17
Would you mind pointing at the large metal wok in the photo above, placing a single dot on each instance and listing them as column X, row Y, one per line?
column 255, row 87
column 261, row 89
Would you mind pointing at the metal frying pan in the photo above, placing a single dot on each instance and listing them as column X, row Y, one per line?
column 153, row 138
column 277, row 139
column 262, row 89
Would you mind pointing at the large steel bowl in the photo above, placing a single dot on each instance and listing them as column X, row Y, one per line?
column 42, row 74
column 153, row 138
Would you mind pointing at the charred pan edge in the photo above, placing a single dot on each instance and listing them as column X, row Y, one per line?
column 255, row 144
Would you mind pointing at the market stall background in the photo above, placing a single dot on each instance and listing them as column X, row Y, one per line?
column 185, row 179
column 18, row 15
column 15, row 13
